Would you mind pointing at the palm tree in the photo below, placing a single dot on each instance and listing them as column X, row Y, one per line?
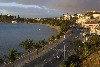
column 52, row 38
column 13, row 55
column 27, row 44
column 42, row 43
column 37, row 46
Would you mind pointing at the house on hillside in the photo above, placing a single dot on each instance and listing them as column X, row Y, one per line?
column 66, row 17
column 14, row 21
column 97, row 16
column 93, row 26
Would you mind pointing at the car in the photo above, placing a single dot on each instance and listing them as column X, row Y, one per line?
column 58, row 57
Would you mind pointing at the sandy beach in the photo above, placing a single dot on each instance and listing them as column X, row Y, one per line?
column 57, row 28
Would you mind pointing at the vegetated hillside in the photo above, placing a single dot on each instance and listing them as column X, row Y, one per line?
column 93, row 60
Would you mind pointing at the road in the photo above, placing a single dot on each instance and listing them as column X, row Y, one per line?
column 55, row 56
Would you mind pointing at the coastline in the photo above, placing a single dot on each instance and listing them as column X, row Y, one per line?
column 57, row 28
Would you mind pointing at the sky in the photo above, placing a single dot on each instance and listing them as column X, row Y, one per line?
column 47, row 8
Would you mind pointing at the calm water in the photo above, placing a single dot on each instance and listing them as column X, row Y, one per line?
column 12, row 34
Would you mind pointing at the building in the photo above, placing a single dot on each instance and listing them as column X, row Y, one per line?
column 14, row 21
column 98, row 30
column 66, row 17
column 81, row 20
column 80, row 15
column 93, row 26
column 96, row 16
column 38, row 19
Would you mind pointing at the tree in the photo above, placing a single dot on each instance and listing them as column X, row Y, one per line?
column 94, row 40
column 92, row 44
column 77, row 45
column 1, row 60
column 77, row 42
column 64, row 27
column 85, row 50
column 62, row 65
column 13, row 55
column 52, row 38
column 27, row 44
column 42, row 43
column 58, row 36
column 37, row 46
column 73, row 60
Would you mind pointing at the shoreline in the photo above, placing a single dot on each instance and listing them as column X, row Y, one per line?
column 57, row 28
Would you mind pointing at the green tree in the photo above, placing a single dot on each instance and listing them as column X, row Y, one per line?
column 37, row 46
column 13, row 55
column 77, row 43
column 42, row 43
column 94, row 39
column 73, row 61
column 64, row 27
column 52, row 38
column 62, row 65
column 27, row 44
column 58, row 36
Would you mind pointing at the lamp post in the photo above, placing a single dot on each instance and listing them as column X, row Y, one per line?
column 64, row 52
column 64, row 48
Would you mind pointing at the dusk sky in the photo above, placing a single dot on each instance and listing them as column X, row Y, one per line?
column 47, row 8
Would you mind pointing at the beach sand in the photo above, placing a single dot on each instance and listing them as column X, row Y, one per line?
column 57, row 28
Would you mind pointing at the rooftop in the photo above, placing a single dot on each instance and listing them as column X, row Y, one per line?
column 91, row 22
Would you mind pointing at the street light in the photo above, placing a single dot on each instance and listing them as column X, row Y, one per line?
column 64, row 52
column 64, row 36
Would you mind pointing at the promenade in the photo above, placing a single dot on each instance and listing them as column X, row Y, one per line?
column 33, row 54
column 47, row 52
column 50, row 59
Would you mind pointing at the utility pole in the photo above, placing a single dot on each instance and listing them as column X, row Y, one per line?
column 64, row 36
column 64, row 52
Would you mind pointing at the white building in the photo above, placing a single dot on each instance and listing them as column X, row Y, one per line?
column 58, row 18
column 38, row 19
column 93, row 26
column 81, row 20
column 79, row 15
column 14, row 21
column 98, row 30
column 96, row 16
column 66, row 17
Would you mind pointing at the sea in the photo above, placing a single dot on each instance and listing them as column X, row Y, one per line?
column 11, row 35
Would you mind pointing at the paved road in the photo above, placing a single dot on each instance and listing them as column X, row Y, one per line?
column 54, row 57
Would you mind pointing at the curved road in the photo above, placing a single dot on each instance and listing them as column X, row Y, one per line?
column 54, row 57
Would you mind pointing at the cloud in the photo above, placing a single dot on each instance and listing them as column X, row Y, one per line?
column 50, row 7
column 37, row 2
column 75, row 5
column 27, row 10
